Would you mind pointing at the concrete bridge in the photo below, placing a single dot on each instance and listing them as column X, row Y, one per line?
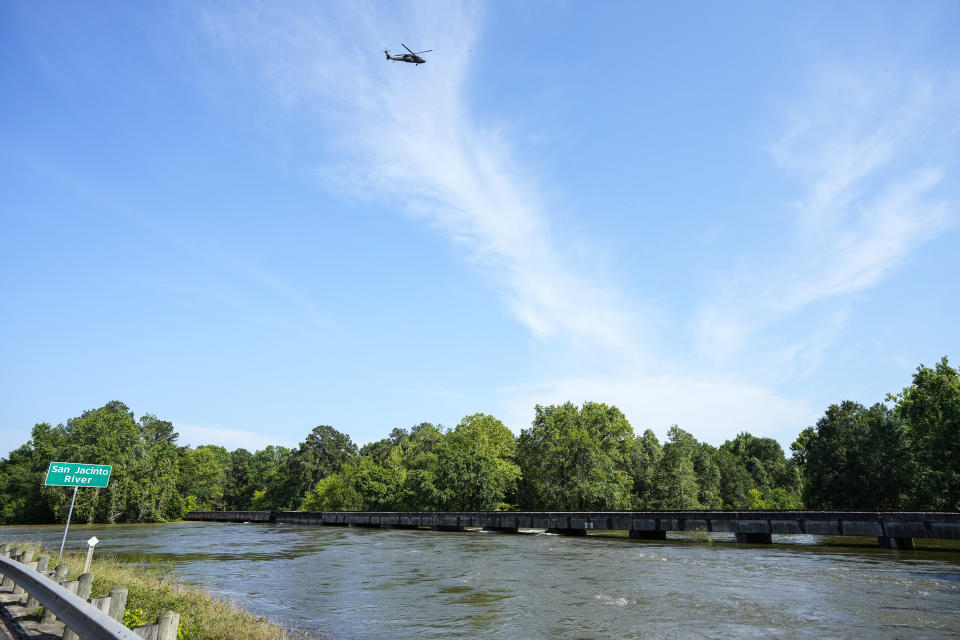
column 893, row 529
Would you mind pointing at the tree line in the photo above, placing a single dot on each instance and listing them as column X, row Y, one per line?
column 904, row 453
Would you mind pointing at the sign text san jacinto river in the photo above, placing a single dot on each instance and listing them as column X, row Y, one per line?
column 73, row 474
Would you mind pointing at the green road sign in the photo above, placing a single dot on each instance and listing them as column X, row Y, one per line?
column 74, row 474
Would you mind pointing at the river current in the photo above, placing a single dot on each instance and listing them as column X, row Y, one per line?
column 373, row 583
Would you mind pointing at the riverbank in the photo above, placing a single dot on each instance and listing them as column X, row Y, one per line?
column 153, row 589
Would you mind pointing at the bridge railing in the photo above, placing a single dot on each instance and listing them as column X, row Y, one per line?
column 891, row 528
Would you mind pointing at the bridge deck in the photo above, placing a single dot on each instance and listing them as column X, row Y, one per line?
column 891, row 528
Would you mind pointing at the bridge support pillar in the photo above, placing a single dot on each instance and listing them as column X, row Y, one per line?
column 567, row 532
column 503, row 529
column 895, row 542
column 638, row 534
column 754, row 538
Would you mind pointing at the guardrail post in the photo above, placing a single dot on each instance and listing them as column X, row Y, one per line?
column 146, row 631
column 48, row 617
column 167, row 625
column 58, row 576
column 118, row 602
column 42, row 563
column 25, row 557
column 84, row 586
column 103, row 603
column 7, row 580
column 60, row 573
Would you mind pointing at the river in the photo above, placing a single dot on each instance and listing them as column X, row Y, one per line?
column 373, row 583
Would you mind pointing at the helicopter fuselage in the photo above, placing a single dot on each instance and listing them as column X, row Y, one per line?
column 406, row 57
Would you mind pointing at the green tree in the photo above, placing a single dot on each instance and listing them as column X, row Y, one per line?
column 238, row 493
column 930, row 408
column 108, row 435
column 22, row 499
column 418, row 456
column 767, row 470
column 380, row 450
column 153, row 473
column 494, row 441
column 204, row 474
column 644, row 456
column 143, row 455
column 855, row 458
column 468, row 477
column 709, row 480
column 675, row 483
column 265, row 477
column 576, row 458
column 324, row 452
column 735, row 481
column 333, row 493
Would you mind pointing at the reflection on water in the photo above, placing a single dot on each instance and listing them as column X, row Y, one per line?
column 371, row 583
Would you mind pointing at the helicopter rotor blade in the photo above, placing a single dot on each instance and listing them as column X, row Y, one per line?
column 408, row 48
column 427, row 51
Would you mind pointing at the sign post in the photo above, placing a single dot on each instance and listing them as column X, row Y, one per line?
column 91, row 543
column 76, row 475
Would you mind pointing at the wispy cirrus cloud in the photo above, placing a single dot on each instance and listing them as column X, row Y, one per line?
column 869, row 154
column 407, row 135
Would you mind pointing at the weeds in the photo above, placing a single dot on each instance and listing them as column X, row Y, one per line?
column 700, row 535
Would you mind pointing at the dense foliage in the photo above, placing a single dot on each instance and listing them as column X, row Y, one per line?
column 904, row 454
column 907, row 456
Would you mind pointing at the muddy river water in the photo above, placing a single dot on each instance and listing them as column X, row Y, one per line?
column 372, row 583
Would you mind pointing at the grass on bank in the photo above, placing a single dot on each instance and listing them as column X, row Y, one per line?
column 153, row 590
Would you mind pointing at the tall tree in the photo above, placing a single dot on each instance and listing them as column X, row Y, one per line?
column 204, row 474
column 154, row 471
column 468, row 477
column 324, row 452
column 644, row 456
column 576, row 458
column 776, row 478
column 675, row 483
column 419, row 458
column 266, row 469
column 492, row 439
column 239, row 492
column 22, row 498
column 931, row 408
column 108, row 435
column 855, row 458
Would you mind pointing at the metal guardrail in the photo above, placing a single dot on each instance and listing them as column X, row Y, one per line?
column 76, row 613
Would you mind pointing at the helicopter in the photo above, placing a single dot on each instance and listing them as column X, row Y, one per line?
column 408, row 57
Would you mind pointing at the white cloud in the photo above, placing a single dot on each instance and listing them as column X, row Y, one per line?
column 231, row 439
column 864, row 150
column 407, row 136
column 714, row 408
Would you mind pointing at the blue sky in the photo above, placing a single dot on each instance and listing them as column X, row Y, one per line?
column 241, row 218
